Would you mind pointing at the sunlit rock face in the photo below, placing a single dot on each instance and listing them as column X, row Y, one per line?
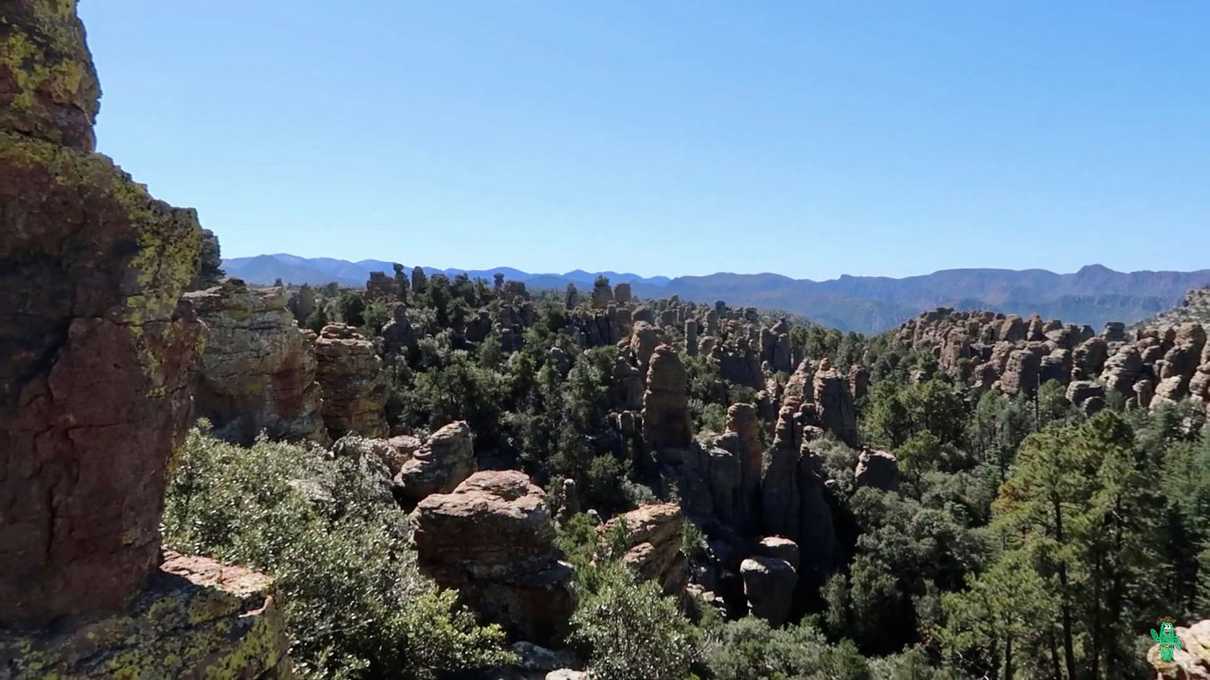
column 94, row 383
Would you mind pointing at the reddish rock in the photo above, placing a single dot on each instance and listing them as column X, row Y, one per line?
column 439, row 466
column 94, row 382
column 492, row 539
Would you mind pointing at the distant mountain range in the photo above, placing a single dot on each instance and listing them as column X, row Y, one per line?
column 868, row 304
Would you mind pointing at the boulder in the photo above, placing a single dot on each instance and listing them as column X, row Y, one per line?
column 1122, row 371
column 653, row 544
column 257, row 371
column 1021, row 373
column 626, row 391
column 398, row 336
column 644, row 338
column 439, row 466
column 877, row 469
column 354, row 387
column 769, row 587
column 779, row 548
column 1089, row 358
column 492, row 539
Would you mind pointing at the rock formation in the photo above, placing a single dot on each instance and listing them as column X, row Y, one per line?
column 439, row 466
column 94, row 383
column 94, row 394
column 831, row 394
column 877, row 469
column 1156, row 363
column 257, row 372
column 1191, row 661
column 769, row 587
column 666, row 423
column 492, row 539
column 196, row 618
column 354, row 389
column 653, row 548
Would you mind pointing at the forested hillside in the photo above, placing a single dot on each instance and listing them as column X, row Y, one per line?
column 707, row 490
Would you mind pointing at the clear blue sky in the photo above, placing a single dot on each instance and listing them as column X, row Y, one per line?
column 808, row 139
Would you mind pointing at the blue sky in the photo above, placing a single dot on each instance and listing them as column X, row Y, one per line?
column 803, row 138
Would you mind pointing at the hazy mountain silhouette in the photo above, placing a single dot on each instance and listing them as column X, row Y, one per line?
column 1093, row 295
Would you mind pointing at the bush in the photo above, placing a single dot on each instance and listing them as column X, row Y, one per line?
column 749, row 648
column 354, row 602
column 629, row 630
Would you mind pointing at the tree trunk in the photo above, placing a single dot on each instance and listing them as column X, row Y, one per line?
column 1069, row 655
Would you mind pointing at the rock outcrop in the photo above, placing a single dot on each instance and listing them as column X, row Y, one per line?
column 653, row 544
column 1153, row 364
column 196, row 618
column 438, row 466
column 354, row 388
column 877, row 469
column 257, row 372
column 94, row 396
column 1191, row 661
column 769, row 587
column 97, row 353
column 666, row 421
column 492, row 539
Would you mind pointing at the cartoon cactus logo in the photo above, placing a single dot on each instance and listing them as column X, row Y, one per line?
column 1167, row 640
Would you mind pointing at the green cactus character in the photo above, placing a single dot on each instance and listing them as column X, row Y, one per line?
column 1167, row 640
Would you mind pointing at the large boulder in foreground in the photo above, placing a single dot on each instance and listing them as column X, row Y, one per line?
column 354, row 387
column 196, row 619
column 492, row 539
column 257, row 372
column 95, row 352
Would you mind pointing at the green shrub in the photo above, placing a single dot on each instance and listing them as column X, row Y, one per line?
column 749, row 648
column 354, row 601
column 629, row 630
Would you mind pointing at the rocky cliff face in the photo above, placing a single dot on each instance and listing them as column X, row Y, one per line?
column 95, row 394
column 257, row 372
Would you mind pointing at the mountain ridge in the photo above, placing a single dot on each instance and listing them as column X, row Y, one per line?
column 1091, row 295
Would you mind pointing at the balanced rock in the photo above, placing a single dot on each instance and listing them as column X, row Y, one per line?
column 492, row 539
column 354, row 388
column 257, row 372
